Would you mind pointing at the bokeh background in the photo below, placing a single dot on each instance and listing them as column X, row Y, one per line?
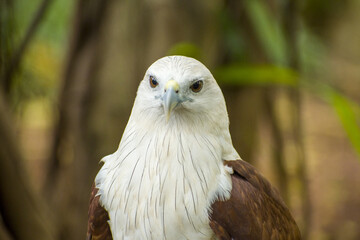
column 289, row 70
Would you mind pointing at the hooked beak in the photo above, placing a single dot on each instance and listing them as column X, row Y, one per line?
column 171, row 97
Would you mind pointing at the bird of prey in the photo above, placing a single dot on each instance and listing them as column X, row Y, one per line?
column 176, row 174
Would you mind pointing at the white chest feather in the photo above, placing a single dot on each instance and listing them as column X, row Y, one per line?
column 161, row 186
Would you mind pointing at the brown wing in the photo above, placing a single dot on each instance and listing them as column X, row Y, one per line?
column 254, row 211
column 98, row 227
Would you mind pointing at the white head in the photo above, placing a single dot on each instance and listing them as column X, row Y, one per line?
column 169, row 161
column 179, row 91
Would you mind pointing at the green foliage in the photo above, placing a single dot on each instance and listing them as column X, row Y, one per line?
column 55, row 25
column 186, row 49
column 238, row 75
column 268, row 30
column 348, row 113
column 272, row 39
column 40, row 69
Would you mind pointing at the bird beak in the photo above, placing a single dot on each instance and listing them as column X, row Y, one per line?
column 171, row 97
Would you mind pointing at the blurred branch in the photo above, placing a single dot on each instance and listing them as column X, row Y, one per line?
column 271, row 37
column 278, row 152
column 6, row 34
column 71, row 164
column 24, row 215
column 4, row 233
column 82, row 61
column 291, row 28
column 17, row 56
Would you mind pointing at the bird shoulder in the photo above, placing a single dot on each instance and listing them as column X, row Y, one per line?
column 255, row 209
column 98, row 226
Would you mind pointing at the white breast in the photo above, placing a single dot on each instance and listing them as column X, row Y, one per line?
column 162, row 187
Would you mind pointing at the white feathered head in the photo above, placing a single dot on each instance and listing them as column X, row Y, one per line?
column 181, row 91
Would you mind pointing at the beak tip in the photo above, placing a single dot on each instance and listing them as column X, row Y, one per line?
column 170, row 98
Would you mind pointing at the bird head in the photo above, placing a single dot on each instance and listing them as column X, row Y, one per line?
column 178, row 87
column 180, row 93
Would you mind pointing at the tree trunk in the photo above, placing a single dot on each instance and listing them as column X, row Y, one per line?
column 24, row 214
column 291, row 25
column 72, row 162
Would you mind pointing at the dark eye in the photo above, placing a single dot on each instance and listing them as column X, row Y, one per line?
column 153, row 82
column 196, row 86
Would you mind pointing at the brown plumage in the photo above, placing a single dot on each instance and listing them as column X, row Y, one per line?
column 98, row 227
column 254, row 211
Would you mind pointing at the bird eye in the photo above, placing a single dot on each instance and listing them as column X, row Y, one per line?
column 197, row 86
column 153, row 82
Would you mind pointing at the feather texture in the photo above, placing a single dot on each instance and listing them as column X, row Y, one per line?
column 254, row 211
column 163, row 189
column 98, row 227
column 169, row 169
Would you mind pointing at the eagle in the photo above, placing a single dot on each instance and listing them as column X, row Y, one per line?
column 176, row 174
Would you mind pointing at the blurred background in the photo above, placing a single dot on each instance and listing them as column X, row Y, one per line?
column 289, row 70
